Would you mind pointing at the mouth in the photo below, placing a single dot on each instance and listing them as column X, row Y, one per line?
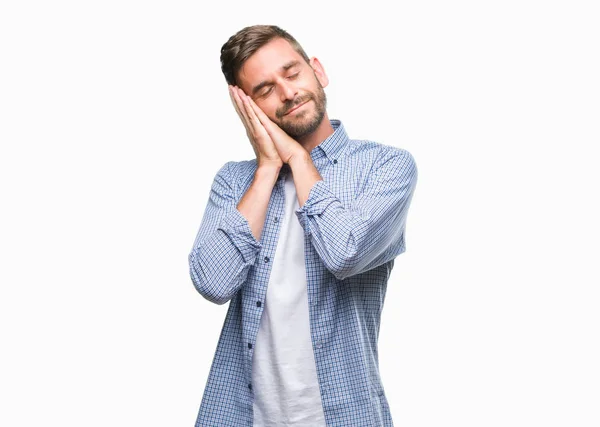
column 296, row 107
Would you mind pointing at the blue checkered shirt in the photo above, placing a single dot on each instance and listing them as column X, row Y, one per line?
column 354, row 226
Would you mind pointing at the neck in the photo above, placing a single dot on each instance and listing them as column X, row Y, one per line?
column 320, row 134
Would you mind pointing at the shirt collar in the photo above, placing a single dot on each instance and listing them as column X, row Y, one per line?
column 332, row 148
column 334, row 145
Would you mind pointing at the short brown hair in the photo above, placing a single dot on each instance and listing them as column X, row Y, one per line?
column 248, row 40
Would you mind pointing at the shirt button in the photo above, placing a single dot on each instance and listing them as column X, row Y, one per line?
column 249, row 345
column 258, row 303
column 335, row 161
column 250, row 386
column 319, row 344
column 276, row 219
column 266, row 259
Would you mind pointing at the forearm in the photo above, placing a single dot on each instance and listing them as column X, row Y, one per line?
column 350, row 239
column 224, row 249
column 305, row 176
column 219, row 264
column 254, row 203
column 358, row 235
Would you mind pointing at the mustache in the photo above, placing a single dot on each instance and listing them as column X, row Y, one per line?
column 291, row 104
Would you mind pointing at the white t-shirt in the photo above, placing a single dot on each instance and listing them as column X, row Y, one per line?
column 284, row 375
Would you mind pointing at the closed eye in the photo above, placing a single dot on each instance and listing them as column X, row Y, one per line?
column 267, row 92
column 270, row 88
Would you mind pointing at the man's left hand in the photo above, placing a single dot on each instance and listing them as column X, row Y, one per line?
column 287, row 147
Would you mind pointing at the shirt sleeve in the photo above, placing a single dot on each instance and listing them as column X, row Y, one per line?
column 224, row 248
column 370, row 231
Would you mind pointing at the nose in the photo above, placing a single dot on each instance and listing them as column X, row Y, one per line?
column 288, row 91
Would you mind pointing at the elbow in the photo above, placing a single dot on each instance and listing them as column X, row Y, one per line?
column 339, row 275
column 218, row 301
column 343, row 263
column 204, row 284
column 361, row 259
column 209, row 294
column 342, row 268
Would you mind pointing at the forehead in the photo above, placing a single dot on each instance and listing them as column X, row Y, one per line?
column 268, row 61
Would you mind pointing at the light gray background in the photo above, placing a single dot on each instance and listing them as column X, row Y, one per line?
column 114, row 118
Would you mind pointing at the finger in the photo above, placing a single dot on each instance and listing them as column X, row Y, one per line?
column 253, row 124
column 235, row 102
column 240, row 104
column 251, row 114
column 236, row 106
column 240, row 96
column 260, row 114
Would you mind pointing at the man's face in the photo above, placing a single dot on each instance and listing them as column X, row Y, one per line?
column 279, row 80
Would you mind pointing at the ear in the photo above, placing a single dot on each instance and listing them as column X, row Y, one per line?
column 319, row 71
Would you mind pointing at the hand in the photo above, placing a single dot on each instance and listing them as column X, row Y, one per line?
column 262, row 144
column 287, row 147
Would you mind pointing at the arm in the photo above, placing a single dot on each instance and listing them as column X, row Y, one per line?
column 255, row 202
column 368, row 233
column 226, row 244
column 357, row 238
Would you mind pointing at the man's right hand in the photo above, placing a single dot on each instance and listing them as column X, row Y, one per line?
column 262, row 144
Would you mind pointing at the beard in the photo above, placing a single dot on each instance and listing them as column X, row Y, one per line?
column 303, row 123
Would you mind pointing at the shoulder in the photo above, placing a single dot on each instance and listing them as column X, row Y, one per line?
column 380, row 153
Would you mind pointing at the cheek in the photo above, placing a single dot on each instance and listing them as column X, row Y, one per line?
column 269, row 108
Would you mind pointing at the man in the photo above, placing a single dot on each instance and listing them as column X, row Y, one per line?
column 301, row 241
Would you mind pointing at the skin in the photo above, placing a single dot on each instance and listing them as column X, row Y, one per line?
column 263, row 100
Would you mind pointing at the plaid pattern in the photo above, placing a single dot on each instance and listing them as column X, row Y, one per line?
column 354, row 222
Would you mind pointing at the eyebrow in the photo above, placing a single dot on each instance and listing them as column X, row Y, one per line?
column 264, row 83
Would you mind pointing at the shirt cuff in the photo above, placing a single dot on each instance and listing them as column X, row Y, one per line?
column 319, row 197
column 236, row 226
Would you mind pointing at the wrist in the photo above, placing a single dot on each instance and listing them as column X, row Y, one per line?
column 267, row 172
column 301, row 157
